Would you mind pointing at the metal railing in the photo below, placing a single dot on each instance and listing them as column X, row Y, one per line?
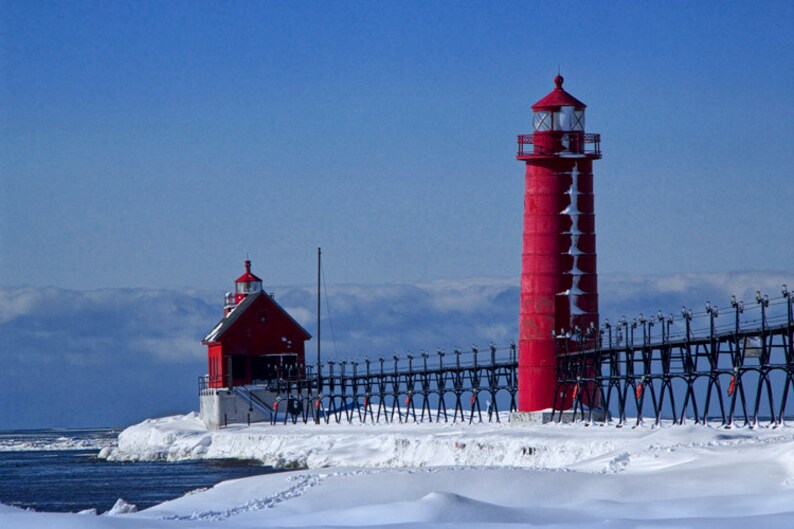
column 682, row 367
column 473, row 385
column 564, row 143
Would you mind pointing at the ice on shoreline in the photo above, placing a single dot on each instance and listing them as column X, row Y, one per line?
column 26, row 441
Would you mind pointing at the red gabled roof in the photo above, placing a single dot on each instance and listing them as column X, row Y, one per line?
column 558, row 98
column 247, row 276
column 227, row 322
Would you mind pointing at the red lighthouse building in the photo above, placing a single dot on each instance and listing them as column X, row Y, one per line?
column 256, row 344
column 559, row 292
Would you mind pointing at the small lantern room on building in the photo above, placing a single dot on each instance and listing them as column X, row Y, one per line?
column 257, row 341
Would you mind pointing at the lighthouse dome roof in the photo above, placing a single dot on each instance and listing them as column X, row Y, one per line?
column 558, row 98
column 247, row 276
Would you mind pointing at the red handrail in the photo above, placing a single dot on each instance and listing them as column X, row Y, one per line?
column 578, row 143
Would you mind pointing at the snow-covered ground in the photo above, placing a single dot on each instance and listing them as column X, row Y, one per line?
column 460, row 475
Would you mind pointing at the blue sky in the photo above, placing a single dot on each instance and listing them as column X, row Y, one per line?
column 156, row 144
column 147, row 148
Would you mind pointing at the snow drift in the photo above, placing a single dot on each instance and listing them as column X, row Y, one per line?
column 420, row 476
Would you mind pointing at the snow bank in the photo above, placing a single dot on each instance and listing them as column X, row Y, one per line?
column 422, row 476
column 595, row 448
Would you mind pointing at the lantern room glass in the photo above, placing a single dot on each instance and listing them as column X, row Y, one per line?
column 542, row 121
column 578, row 120
column 249, row 287
column 565, row 120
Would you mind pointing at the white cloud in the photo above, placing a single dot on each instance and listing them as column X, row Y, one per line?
column 48, row 332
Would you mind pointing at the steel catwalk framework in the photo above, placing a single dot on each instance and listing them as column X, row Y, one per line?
column 666, row 367
column 707, row 366
column 474, row 385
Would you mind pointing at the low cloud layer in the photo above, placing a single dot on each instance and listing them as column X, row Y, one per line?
column 111, row 357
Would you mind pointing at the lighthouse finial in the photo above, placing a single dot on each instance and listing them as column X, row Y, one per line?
column 559, row 79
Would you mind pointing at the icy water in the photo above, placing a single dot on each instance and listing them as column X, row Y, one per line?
column 57, row 470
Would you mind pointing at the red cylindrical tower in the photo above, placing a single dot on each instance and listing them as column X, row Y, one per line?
column 559, row 292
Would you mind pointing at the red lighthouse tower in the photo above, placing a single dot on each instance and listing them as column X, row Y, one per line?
column 559, row 291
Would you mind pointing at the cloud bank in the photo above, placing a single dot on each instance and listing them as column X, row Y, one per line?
column 112, row 357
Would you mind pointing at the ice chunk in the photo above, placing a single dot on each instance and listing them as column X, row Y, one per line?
column 121, row 507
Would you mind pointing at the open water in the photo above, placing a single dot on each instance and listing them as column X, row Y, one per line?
column 58, row 471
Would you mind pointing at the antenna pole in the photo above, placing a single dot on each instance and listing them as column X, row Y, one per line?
column 319, row 377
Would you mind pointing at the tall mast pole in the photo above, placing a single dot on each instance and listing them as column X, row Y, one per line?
column 319, row 265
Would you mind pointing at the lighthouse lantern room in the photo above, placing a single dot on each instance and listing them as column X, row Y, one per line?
column 253, row 347
column 246, row 284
